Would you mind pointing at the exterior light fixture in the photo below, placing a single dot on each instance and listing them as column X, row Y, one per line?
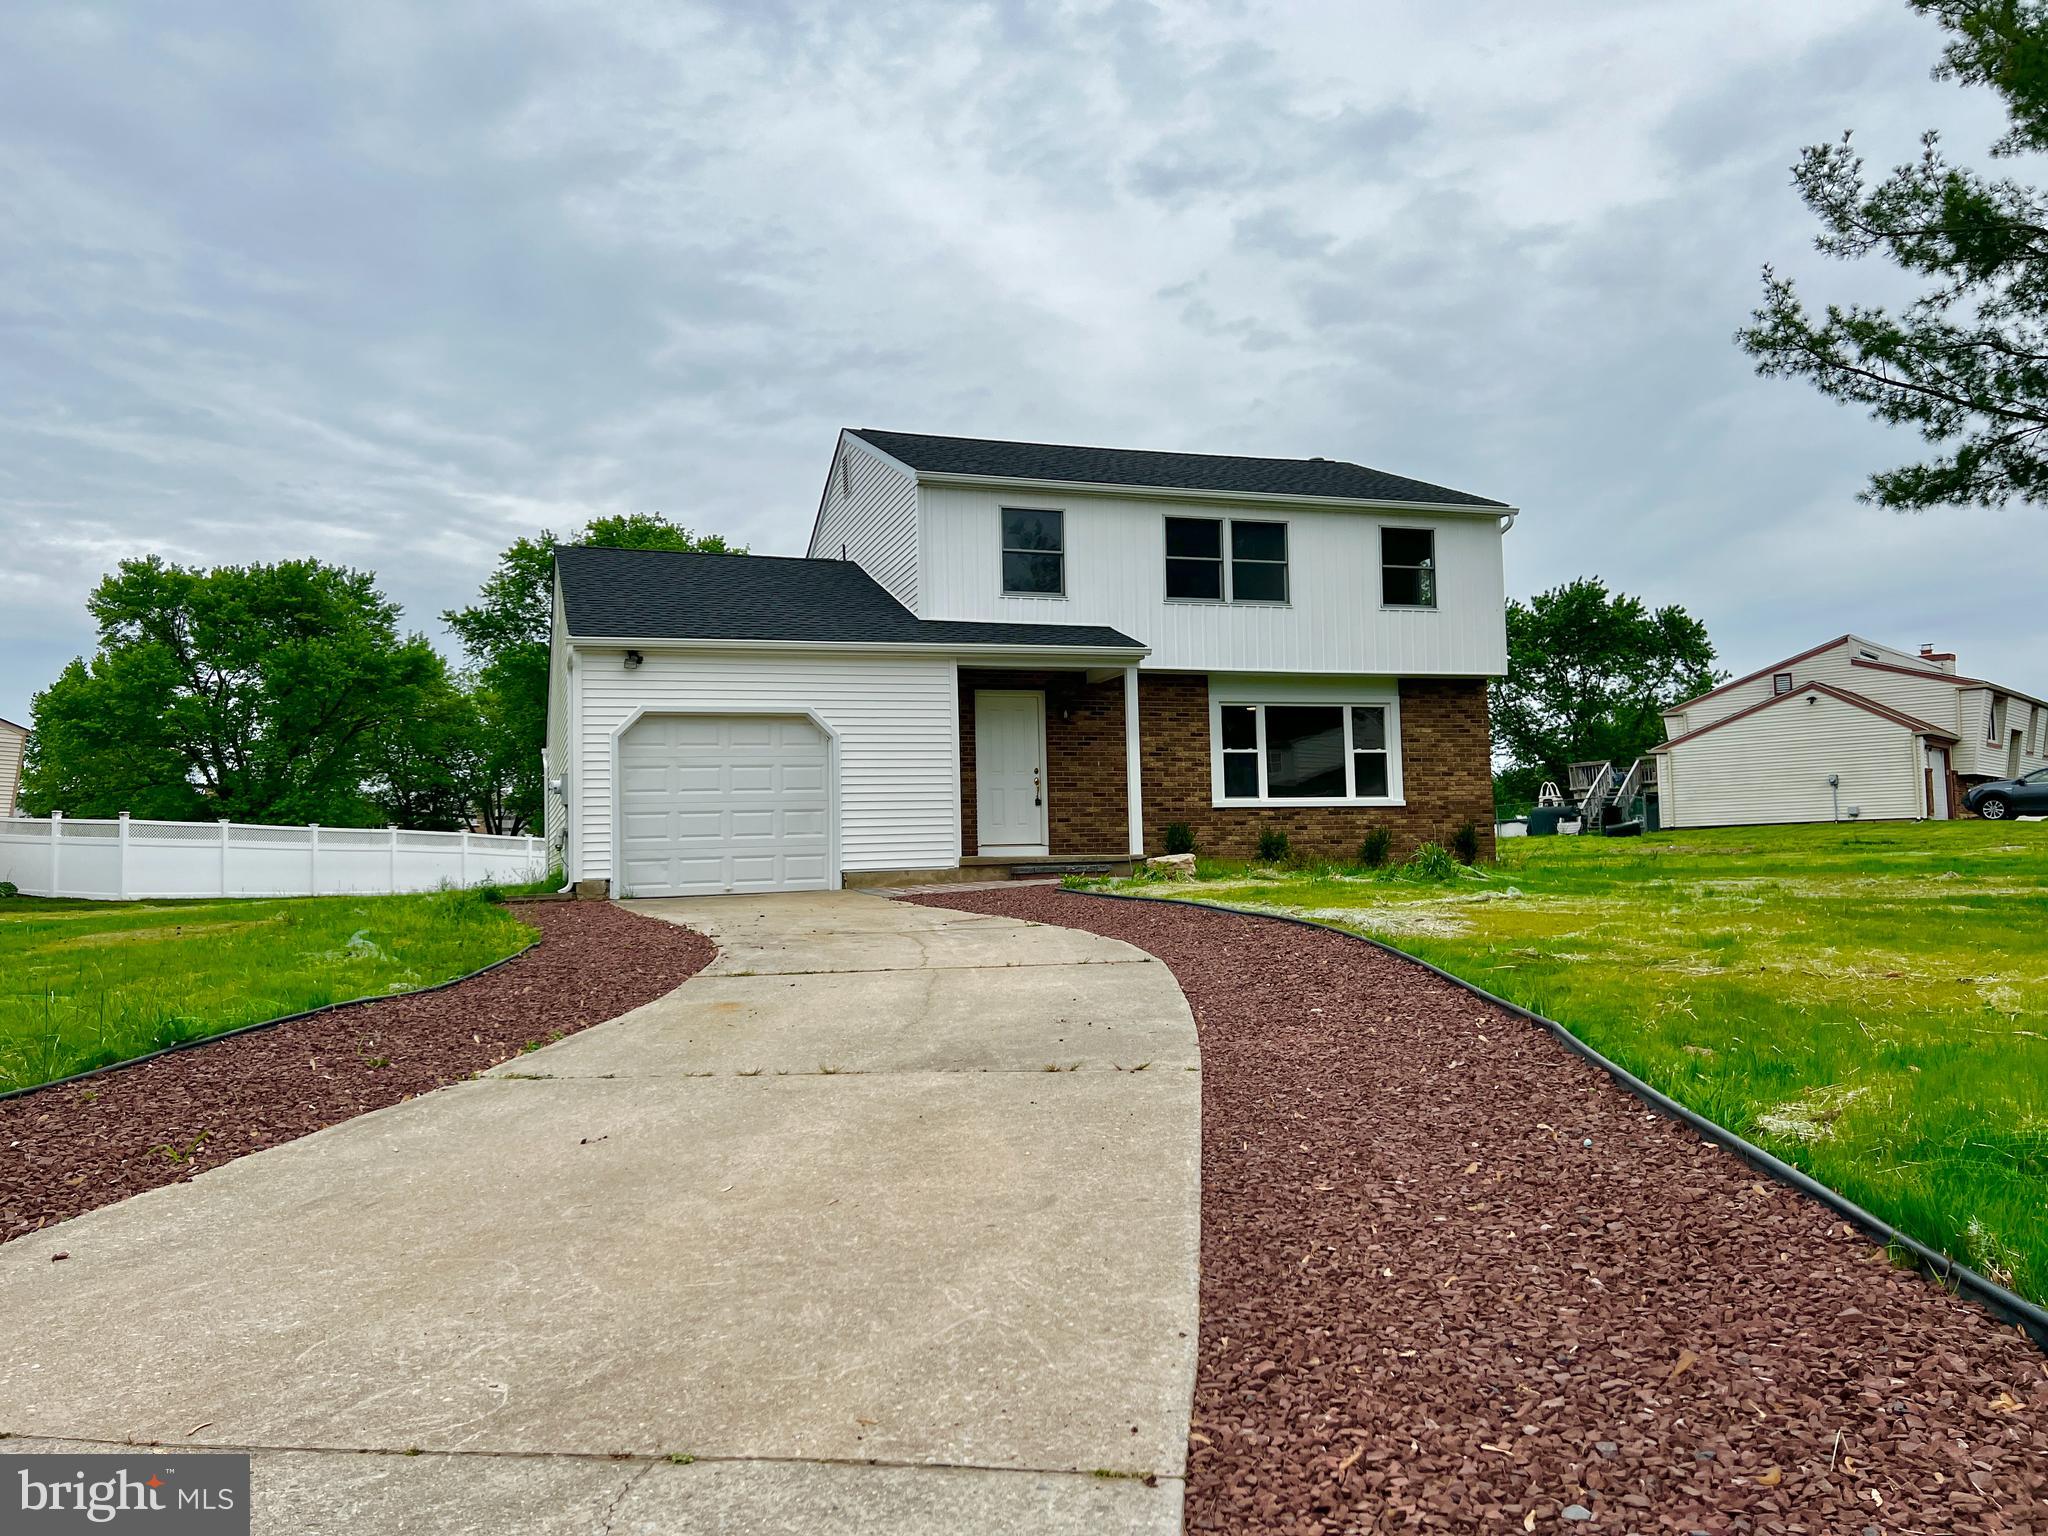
column 633, row 660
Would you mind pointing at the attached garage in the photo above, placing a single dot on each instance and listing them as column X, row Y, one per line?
column 715, row 803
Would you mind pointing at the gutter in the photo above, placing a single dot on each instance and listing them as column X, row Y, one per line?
column 1958, row 1279
column 1184, row 493
column 1120, row 654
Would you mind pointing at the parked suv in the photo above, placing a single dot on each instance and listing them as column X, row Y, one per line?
column 2002, row 798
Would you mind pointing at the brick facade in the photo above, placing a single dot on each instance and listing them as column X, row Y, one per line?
column 1446, row 756
column 1084, row 743
column 1446, row 771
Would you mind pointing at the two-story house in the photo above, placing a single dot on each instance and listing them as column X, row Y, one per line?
column 1850, row 730
column 998, row 655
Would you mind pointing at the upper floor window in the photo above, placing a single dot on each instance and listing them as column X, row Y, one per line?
column 1408, row 567
column 1781, row 682
column 1034, row 552
column 1195, row 564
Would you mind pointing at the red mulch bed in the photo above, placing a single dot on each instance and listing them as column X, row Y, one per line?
column 1454, row 1279
column 76, row 1146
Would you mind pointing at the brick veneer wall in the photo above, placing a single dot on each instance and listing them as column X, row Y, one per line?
column 1446, row 771
column 1085, row 752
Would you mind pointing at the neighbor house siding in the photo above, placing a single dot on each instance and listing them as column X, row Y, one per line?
column 1773, row 766
column 12, row 741
column 871, row 515
column 893, row 718
column 1333, row 621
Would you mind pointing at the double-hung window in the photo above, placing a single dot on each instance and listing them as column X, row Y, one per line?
column 1197, row 570
column 1408, row 567
column 1320, row 752
column 1034, row 552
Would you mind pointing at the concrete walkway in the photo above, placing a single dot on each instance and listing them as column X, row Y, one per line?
column 884, row 1223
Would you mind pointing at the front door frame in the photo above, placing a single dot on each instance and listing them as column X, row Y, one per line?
column 1043, row 845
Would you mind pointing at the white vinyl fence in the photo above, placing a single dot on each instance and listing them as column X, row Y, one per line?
column 123, row 860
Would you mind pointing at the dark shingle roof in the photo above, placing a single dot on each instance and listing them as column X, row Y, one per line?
column 646, row 594
column 1160, row 471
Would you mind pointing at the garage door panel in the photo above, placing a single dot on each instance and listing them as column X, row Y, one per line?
column 711, row 803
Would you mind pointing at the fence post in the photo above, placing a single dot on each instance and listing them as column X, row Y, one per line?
column 313, row 858
column 393, row 881
column 465, row 857
column 121, row 872
column 531, row 872
column 223, row 855
column 56, row 853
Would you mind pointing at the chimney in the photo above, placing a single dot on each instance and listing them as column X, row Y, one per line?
column 1946, row 660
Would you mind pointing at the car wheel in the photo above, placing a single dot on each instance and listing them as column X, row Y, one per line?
column 1994, row 807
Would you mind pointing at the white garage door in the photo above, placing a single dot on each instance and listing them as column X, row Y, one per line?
column 714, row 803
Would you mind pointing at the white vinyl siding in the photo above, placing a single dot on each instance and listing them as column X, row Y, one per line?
column 12, row 742
column 1332, row 622
column 870, row 511
column 893, row 719
column 1773, row 766
column 555, row 744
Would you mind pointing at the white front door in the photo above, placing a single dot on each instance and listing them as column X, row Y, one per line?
column 1009, row 772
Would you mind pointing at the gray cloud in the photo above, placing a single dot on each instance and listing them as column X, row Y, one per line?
column 390, row 284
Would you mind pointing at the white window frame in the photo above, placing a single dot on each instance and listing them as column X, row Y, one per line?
column 1226, row 577
column 1260, row 692
column 1435, row 569
column 1003, row 549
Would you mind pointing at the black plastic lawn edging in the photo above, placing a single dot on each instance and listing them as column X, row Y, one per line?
column 1994, row 1298
column 245, row 1029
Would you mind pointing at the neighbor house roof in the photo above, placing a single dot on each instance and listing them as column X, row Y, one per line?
column 641, row 594
column 1333, row 479
column 1931, row 673
column 1885, row 711
column 12, row 726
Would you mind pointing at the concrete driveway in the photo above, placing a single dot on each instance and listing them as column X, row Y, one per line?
column 886, row 1222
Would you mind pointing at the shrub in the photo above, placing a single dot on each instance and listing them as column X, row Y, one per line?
column 1465, row 844
column 492, row 892
column 1272, row 845
column 1180, row 838
column 8, row 888
column 1432, row 861
column 1378, row 844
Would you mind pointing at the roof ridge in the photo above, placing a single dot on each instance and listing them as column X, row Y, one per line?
column 1164, row 453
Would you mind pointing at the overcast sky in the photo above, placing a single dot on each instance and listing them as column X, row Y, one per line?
column 391, row 284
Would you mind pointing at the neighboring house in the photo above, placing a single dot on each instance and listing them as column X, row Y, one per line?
column 13, row 739
column 998, row 653
column 1848, row 730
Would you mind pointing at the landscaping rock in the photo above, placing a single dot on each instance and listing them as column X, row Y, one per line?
column 1182, row 863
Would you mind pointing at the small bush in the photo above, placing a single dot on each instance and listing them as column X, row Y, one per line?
column 1272, row 845
column 492, row 892
column 1465, row 844
column 1432, row 861
column 8, row 888
column 1180, row 837
column 1378, row 844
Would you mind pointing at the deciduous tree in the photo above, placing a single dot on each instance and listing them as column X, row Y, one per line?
column 1588, row 673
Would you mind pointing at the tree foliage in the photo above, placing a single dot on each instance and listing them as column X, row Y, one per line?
column 1966, row 363
column 1588, row 673
column 505, row 635
column 267, row 693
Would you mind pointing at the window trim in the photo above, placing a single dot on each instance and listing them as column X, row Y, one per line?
column 1260, row 693
column 1435, row 569
column 1003, row 548
column 1229, row 599
column 1781, row 684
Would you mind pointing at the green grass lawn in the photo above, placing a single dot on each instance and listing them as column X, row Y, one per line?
column 1869, row 1002
column 85, row 983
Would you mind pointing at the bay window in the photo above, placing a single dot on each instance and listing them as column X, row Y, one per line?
column 1329, row 753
